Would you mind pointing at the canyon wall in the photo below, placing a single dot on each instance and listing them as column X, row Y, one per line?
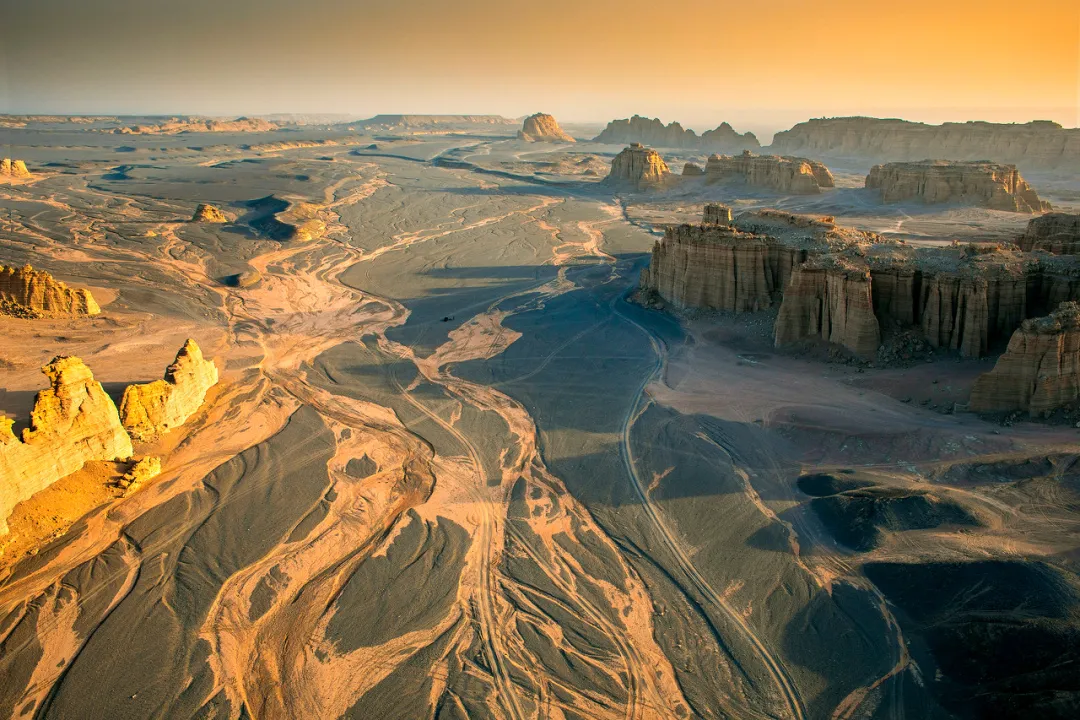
column 638, row 167
column 1040, row 370
column 1057, row 233
column 650, row 131
column 830, row 301
column 73, row 421
column 29, row 293
column 784, row 174
column 1038, row 144
column 542, row 128
column 153, row 409
column 999, row 187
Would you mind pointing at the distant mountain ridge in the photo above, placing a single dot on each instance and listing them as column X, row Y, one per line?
column 653, row 132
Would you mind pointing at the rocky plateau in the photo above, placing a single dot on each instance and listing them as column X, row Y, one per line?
column 990, row 185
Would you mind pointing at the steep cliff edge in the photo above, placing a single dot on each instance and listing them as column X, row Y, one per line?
column 994, row 186
column 1040, row 371
column 1038, row 144
column 29, row 293
column 829, row 299
column 638, row 167
column 784, row 174
column 1057, row 233
column 543, row 128
column 150, row 410
column 651, row 131
column 73, row 421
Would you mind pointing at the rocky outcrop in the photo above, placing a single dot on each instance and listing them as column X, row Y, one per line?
column 542, row 128
column 208, row 213
column 692, row 170
column 13, row 168
column 650, row 131
column 998, row 187
column 284, row 220
column 173, row 126
column 138, row 474
column 1040, row 370
column 1057, row 233
column 785, row 174
column 29, row 293
column 831, row 301
column 638, row 167
column 1039, row 144
column 716, row 214
column 73, row 422
column 153, row 409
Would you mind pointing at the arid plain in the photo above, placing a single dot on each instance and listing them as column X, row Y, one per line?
column 457, row 464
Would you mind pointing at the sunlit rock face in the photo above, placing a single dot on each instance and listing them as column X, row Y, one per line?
column 795, row 175
column 25, row 292
column 638, row 167
column 990, row 185
column 153, row 409
column 543, row 128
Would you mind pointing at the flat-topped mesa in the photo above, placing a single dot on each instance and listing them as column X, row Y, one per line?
column 73, row 422
column 543, row 128
column 1057, row 233
column 153, row 409
column 29, row 293
column 639, row 167
column 716, row 214
column 1039, row 372
column 1038, row 144
column 208, row 213
column 651, row 131
column 13, row 168
column 983, row 184
column 794, row 175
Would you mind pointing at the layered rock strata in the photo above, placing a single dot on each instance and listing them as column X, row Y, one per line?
column 650, row 131
column 73, row 422
column 153, row 409
column 543, row 128
column 794, row 175
column 208, row 213
column 1038, row 144
column 639, row 167
column 1040, row 370
column 25, row 292
column 998, row 187
column 1057, row 233
column 13, row 168
column 832, row 301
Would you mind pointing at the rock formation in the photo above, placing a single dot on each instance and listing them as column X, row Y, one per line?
column 1040, row 370
column 73, row 421
column 785, row 174
column 208, row 213
column 692, row 170
column 150, row 410
column 176, row 125
column 543, row 128
column 139, row 473
column 29, row 293
column 832, row 301
column 638, row 167
column 650, row 131
column 1057, row 233
column 998, row 187
column 13, row 168
column 1039, row 144
column 716, row 214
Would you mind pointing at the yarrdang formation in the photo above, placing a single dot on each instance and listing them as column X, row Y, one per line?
column 543, row 128
column 29, row 293
column 998, row 187
column 638, row 167
column 150, row 410
column 794, row 175
column 13, row 168
column 650, row 131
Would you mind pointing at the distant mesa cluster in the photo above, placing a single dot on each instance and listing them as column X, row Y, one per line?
column 13, row 168
column 176, row 125
column 543, row 128
column 29, row 293
column 990, row 185
column 652, row 132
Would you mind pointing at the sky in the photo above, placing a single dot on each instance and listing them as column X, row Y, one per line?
column 761, row 64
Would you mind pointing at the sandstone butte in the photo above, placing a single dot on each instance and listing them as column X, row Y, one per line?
column 1038, row 144
column 208, row 213
column 650, row 131
column 13, row 168
column 153, row 409
column 639, row 167
column 543, row 128
column 847, row 286
column 1040, row 370
column 73, row 421
column 1057, row 233
column 785, row 174
column 990, row 185
column 29, row 293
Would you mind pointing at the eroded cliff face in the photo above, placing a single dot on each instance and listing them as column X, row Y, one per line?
column 639, row 167
column 650, row 131
column 1040, row 371
column 1057, row 233
column 785, row 174
column 543, row 128
column 153, row 409
column 1038, row 144
column 830, row 301
column 29, row 293
column 998, row 187
column 13, row 168
column 73, row 422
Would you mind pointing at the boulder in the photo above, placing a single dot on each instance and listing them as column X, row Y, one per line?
column 543, row 128
column 150, row 410
column 982, row 184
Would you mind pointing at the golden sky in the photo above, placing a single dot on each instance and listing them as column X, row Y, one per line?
column 769, row 62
